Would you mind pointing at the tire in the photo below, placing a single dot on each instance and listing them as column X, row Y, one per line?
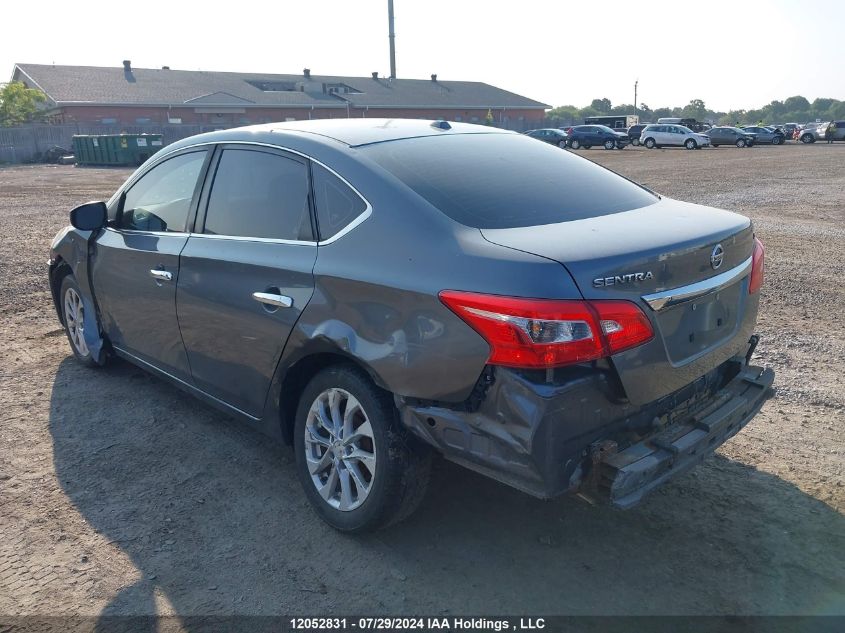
column 635, row 142
column 575, row 144
column 691, row 144
column 650, row 144
column 740, row 142
column 395, row 471
column 808, row 138
column 75, row 320
column 608, row 144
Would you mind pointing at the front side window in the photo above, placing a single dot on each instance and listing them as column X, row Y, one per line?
column 337, row 205
column 161, row 199
column 259, row 194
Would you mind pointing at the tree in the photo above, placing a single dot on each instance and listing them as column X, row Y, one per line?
column 695, row 109
column 796, row 104
column 601, row 105
column 19, row 104
column 563, row 115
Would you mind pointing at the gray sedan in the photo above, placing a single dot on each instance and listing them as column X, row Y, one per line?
column 766, row 134
column 725, row 135
column 374, row 291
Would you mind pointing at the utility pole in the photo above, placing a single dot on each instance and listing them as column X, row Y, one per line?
column 392, row 37
column 635, row 95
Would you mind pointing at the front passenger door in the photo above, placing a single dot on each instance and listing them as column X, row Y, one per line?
column 246, row 273
column 135, row 262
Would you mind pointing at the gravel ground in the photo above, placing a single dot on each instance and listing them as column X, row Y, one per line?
column 121, row 495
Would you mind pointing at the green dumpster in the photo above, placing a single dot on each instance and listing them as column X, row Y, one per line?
column 115, row 149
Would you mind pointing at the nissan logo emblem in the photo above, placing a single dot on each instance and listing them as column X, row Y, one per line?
column 717, row 256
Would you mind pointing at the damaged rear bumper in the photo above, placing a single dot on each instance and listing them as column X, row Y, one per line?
column 623, row 478
column 575, row 434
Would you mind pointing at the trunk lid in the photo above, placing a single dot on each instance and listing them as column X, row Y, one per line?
column 648, row 256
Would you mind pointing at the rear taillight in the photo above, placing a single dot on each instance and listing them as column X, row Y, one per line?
column 543, row 333
column 758, row 258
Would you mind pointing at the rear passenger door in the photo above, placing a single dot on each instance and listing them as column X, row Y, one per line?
column 246, row 274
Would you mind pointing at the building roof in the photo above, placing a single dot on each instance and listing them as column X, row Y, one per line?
column 79, row 85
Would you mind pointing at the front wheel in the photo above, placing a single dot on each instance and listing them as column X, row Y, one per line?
column 608, row 144
column 740, row 142
column 574, row 144
column 76, row 320
column 360, row 469
column 691, row 144
column 650, row 144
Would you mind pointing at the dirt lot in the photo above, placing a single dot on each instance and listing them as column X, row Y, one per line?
column 121, row 495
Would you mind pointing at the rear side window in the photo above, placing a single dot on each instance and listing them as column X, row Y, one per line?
column 492, row 181
column 259, row 194
column 161, row 199
column 337, row 205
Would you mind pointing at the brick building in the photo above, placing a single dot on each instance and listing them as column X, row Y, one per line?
column 140, row 96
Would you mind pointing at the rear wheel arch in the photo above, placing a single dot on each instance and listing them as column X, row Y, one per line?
column 300, row 373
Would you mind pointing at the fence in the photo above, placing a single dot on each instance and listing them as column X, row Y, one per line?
column 28, row 143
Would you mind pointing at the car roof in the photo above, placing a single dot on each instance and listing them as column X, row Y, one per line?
column 356, row 132
column 337, row 132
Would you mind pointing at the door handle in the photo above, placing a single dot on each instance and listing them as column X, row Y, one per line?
column 161, row 275
column 270, row 299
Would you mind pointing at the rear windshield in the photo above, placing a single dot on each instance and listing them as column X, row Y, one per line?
column 499, row 181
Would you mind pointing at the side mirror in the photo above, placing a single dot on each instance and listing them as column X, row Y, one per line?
column 90, row 216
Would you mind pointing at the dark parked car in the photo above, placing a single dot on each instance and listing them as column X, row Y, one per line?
column 725, row 135
column 552, row 136
column 766, row 134
column 588, row 135
column 371, row 291
column 634, row 133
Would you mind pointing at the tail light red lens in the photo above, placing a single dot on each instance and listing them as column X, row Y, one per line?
column 758, row 260
column 543, row 333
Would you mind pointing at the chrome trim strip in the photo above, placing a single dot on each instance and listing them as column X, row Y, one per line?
column 157, row 370
column 238, row 238
column 366, row 213
column 661, row 300
column 157, row 233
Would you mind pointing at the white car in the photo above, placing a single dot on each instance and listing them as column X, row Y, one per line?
column 659, row 135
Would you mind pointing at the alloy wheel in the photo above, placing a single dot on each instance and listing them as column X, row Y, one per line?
column 75, row 321
column 340, row 449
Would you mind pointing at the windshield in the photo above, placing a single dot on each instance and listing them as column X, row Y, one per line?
column 494, row 181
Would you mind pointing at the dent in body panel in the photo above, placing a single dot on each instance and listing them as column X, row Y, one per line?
column 72, row 248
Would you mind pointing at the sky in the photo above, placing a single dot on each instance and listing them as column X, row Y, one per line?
column 731, row 54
